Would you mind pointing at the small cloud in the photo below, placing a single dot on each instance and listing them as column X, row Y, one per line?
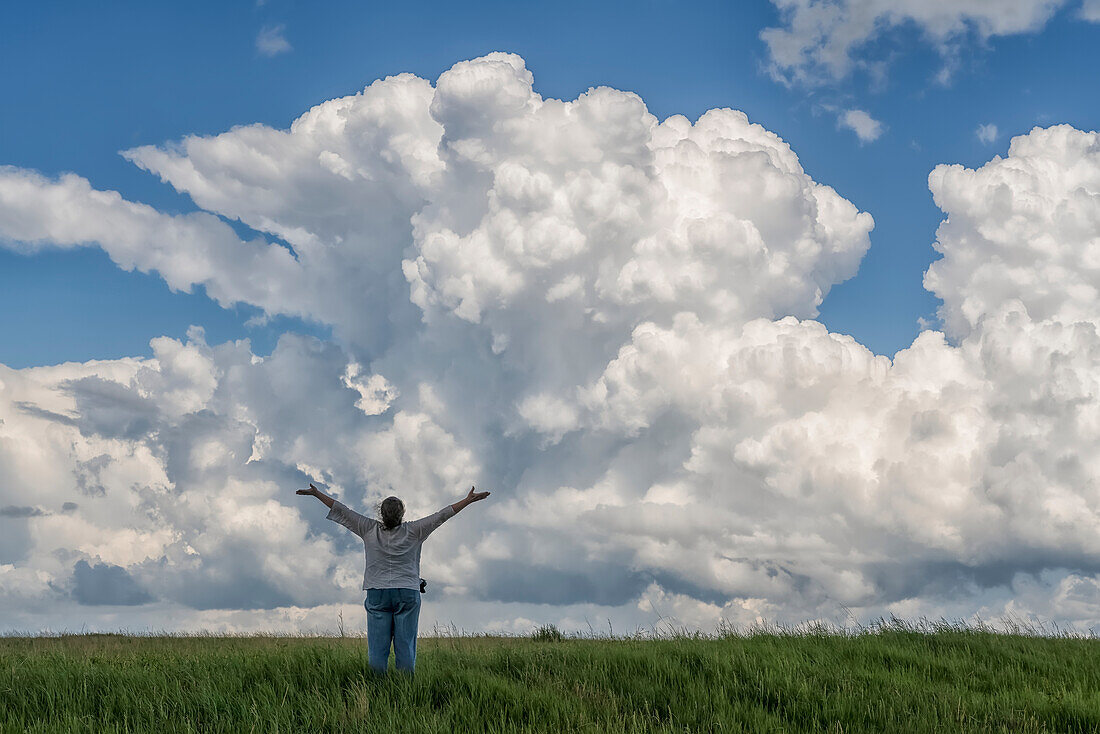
column 271, row 40
column 863, row 125
column 1090, row 11
column 69, row 506
column 987, row 133
column 931, row 322
column 945, row 74
column 17, row 511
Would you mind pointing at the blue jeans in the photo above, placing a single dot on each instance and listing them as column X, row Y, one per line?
column 392, row 616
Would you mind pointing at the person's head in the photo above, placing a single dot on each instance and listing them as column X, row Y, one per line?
column 392, row 512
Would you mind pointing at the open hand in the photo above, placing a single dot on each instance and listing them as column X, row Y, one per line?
column 311, row 490
column 475, row 496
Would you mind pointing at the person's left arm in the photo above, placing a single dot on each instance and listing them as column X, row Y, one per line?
column 339, row 512
column 314, row 492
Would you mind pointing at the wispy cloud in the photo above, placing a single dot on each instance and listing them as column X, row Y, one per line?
column 866, row 128
column 987, row 133
column 271, row 40
column 819, row 42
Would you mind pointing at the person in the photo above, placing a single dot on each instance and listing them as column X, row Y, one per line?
column 392, row 575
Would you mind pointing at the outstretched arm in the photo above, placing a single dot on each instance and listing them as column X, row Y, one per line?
column 318, row 494
column 469, row 499
column 338, row 512
column 424, row 527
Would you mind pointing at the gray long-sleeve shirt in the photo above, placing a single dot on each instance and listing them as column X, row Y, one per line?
column 393, row 556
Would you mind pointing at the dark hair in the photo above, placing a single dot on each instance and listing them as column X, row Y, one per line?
column 392, row 511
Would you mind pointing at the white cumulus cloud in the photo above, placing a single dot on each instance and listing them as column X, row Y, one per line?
column 605, row 318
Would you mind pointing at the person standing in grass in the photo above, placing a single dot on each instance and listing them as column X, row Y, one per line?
column 392, row 576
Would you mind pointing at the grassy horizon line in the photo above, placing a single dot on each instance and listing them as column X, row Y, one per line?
column 940, row 677
column 1007, row 625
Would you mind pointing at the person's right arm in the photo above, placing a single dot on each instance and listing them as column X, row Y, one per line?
column 469, row 499
column 424, row 527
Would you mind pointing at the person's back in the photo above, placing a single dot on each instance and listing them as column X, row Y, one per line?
column 392, row 554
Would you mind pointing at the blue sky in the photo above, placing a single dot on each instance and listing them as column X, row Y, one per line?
column 83, row 82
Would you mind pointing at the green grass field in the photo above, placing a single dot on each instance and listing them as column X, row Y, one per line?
column 889, row 680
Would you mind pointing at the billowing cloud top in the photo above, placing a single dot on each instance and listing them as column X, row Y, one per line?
column 600, row 316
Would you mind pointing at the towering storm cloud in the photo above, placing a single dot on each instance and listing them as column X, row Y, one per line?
column 604, row 318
